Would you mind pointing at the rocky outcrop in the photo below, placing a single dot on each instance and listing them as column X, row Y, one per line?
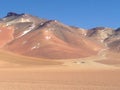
column 13, row 14
column 110, row 38
column 100, row 33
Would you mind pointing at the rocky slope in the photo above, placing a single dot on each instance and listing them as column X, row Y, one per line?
column 32, row 36
column 109, row 37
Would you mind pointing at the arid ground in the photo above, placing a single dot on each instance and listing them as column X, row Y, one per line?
column 92, row 73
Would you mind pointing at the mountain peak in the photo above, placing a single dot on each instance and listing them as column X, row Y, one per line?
column 13, row 14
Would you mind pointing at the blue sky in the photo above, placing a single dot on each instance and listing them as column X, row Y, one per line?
column 80, row 13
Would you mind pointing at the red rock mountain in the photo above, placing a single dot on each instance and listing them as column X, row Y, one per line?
column 35, row 37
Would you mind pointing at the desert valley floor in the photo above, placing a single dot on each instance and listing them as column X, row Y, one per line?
column 92, row 73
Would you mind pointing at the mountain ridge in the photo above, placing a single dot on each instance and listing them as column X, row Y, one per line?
column 42, row 38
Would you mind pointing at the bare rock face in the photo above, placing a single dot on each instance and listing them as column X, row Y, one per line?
column 113, row 41
column 13, row 14
column 110, row 38
column 100, row 33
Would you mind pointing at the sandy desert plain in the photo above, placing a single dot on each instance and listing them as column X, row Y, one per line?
column 92, row 73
